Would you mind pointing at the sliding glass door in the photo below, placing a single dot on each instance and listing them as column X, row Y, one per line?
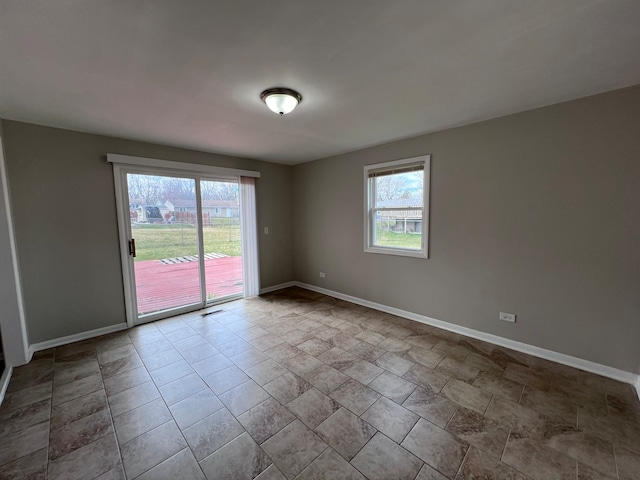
column 222, row 238
column 183, row 240
column 164, row 242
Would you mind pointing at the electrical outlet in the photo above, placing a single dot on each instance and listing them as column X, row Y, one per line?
column 508, row 317
column 266, row 230
column 322, row 275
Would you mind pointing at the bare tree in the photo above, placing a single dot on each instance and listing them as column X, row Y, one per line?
column 150, row 189
column 219, row 190
column 389, row 187
column 146, row 189
column 178, row 188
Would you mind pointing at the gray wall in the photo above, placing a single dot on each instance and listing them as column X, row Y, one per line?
column 65, row 218
column 535, row 214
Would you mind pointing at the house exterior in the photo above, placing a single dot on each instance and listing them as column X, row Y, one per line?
column 401, row 220
column 213, row 208
column 142, row 212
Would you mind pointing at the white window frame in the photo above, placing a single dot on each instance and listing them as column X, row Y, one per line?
column 370, row 210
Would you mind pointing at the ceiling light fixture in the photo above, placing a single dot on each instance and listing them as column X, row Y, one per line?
column 281, row 100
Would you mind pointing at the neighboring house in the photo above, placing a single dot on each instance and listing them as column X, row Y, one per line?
column 213, row 208
column 142, row 212
column 401, row 220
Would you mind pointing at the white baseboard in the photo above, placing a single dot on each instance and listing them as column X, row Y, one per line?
column 4, row 382
column 76, row 337
column 579, row 363
column 280, row 286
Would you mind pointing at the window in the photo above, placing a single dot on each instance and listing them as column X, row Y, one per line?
column 397, row 207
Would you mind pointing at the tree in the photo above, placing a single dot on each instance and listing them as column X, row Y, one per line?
column 178, row 188
column 145, row 189
column 219, row 190
column 151, row 190
column 402, row 185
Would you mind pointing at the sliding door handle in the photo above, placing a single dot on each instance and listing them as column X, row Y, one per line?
column 132, row 247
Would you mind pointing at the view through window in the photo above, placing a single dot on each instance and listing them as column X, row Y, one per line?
column 164, row 224
column 397, row 210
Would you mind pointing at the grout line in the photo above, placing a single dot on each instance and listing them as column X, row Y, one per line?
column 488, row 403
column 521, row 394
column 144, row 433
column 410, row 429
column 504, row 449
column 463, row 460
column 113, row 427
column 453, row 415
column 615, row 461
column 510, row 466
column 318, row 456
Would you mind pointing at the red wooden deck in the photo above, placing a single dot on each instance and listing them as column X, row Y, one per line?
column 160, row 286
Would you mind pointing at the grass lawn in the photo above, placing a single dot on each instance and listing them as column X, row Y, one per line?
column 155, row 242
column 399, row 240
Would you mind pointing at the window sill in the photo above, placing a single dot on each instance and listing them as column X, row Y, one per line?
column 397, row 252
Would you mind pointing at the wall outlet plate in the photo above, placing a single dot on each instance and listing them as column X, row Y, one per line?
column 508, row 317
column 322, row 275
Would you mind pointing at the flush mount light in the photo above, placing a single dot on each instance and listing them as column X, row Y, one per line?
column 281, row 100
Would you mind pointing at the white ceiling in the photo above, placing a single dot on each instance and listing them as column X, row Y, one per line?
column 189, row 73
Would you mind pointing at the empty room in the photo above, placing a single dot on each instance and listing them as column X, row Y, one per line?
column 320, row 240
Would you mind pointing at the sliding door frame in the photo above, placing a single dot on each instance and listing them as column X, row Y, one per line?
column 122, row 165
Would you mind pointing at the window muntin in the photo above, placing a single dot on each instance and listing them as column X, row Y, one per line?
column 396, row 207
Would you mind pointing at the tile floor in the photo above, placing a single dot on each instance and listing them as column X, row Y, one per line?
column 300, row 385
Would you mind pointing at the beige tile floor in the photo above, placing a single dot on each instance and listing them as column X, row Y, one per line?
column 299, row 385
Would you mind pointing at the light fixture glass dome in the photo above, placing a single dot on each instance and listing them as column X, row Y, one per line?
column 281, row 100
